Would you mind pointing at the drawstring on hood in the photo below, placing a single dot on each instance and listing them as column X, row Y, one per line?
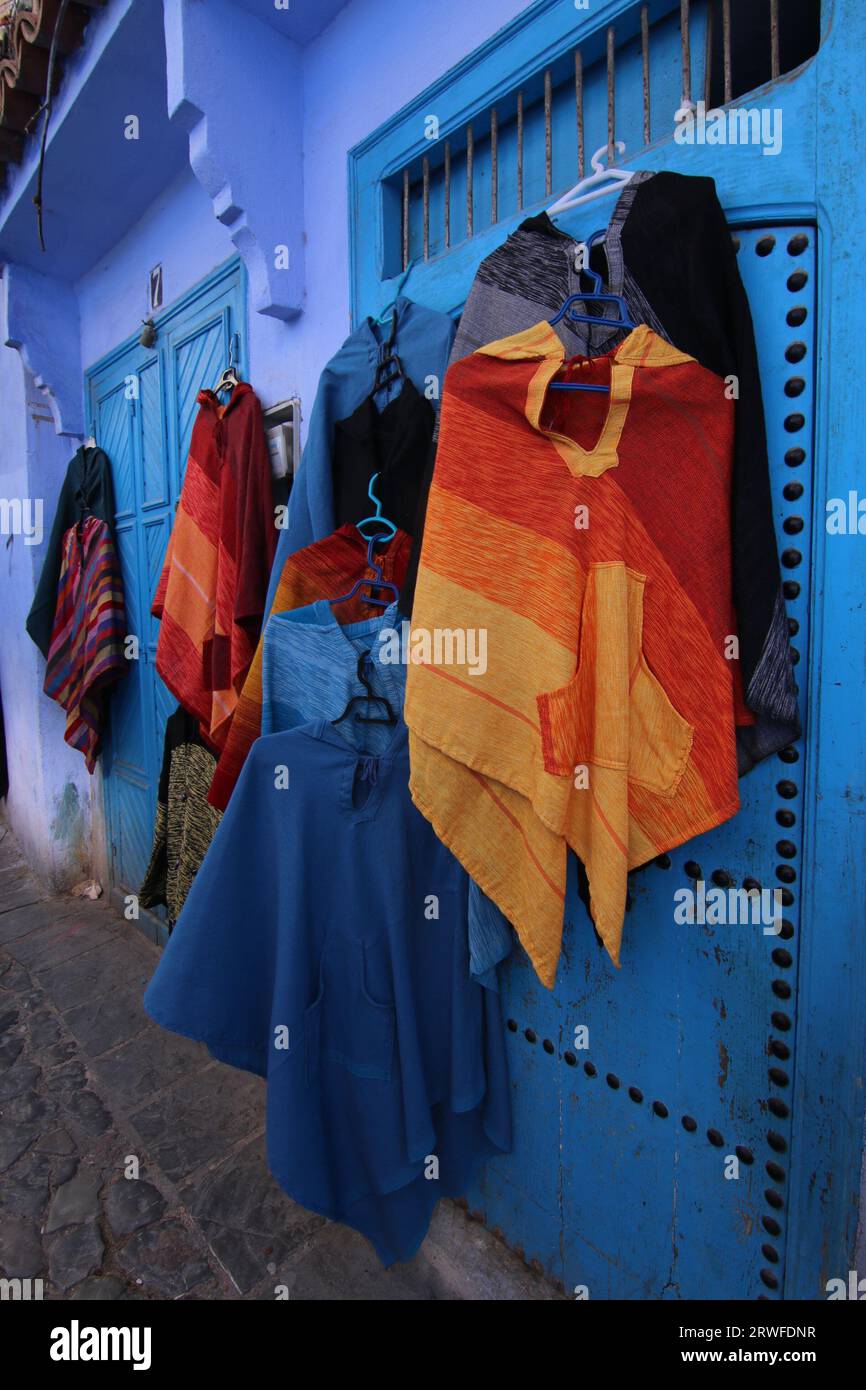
column 368, row 770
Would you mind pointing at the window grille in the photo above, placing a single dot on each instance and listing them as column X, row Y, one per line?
column 625, row 82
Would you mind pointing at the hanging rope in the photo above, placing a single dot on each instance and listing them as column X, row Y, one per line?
column 45, row 109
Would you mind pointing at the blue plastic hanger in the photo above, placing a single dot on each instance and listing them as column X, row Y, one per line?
column 377, row 582
column 598, row 296
column 377, row 519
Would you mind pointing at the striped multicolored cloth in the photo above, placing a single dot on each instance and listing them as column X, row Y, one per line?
column 86, row 652
column 211, row 594
column 326, row 570
column 585, row 539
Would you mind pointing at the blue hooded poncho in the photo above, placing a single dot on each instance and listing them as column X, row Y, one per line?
column 323, row 945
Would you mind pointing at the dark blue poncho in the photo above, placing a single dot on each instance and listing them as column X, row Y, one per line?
column 323, row 945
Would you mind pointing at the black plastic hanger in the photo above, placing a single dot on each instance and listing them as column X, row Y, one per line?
column 370, row 696
column 390, row 368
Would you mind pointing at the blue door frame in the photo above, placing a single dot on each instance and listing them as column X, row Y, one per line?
column 760, row 1041
column 141, row 403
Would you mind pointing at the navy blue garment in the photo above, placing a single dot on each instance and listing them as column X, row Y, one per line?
column 323, row 945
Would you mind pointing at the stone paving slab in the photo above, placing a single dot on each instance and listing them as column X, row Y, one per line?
column 16, row 923
column 132, row 1166
column 57, row 943
column 199, row 1120
column 20, row 889
column 151, row 1061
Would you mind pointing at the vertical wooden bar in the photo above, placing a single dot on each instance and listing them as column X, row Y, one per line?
column 405, row 218
column 470, row 157
column 578, row 102
column 685, row 44
column 774, row 38
column 426, row 168
column 708, row 53
column 519, row 151
column 644, row 44
column 726, row 45
column 548, row 132
column 447, row 194
column 494, row 166
column 611, row 96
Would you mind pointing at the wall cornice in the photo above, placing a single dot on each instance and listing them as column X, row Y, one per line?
column 247, row 156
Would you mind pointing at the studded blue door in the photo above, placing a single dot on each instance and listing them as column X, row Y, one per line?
column 689, row 1126
column 142, row 406
column 663, row 1087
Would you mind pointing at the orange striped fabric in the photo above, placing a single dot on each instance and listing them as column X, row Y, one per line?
column 587, row 536
column 325, row 569
column 211, row 593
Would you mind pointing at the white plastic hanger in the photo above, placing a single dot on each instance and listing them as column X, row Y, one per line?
column 589, row 188
column 229, row 379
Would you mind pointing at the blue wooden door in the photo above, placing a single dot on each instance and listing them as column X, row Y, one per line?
column 142, row 404
column 664, row 1088
column 691, row 1125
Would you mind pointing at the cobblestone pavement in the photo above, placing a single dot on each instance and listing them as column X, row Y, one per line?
column 132, row 1165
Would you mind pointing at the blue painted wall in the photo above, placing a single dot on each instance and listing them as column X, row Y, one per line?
column 343, row 100
column 179, row 231
column 119, row 207
column 410, row 46
column 49, row 797
column 97, row 182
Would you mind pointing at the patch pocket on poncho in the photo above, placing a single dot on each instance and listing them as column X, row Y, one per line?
column 614, row 712
column 661, row 740
column 347, row 1023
